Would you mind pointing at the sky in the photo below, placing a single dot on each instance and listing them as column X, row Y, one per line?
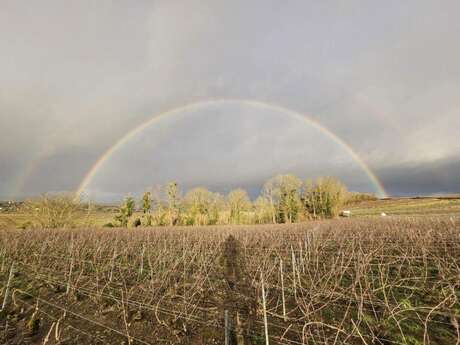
column 77, row 76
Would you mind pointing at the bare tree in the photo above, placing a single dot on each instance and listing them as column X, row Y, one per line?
column 173, row 202
column 55, row 211
column 238, row 202
column 282, row 194
column 323, row 197
column 198, row 202
column 146, row 207
column 263, row 210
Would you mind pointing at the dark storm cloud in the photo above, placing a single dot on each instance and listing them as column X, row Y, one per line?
column 437, row 177
column 75, row 77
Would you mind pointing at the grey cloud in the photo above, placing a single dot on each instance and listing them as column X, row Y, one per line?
column 59, row 171
column 437, row 177
column 74, row 77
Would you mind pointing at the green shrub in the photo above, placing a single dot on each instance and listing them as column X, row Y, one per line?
column 126, row 211
column 137, row 222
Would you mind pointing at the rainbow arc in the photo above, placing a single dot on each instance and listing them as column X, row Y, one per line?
column 258, row 104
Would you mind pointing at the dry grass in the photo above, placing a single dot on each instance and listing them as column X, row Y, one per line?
column 405, row 206
column 355, row 281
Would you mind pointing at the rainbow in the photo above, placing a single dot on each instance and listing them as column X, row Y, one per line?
column 261, row 105
column 28, row 171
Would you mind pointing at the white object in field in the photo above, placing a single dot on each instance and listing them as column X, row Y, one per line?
column 383, row 214
column 345, row 213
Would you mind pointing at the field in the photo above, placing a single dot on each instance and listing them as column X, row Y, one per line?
column 370, row 280
column 103, row 214
column 408, row 206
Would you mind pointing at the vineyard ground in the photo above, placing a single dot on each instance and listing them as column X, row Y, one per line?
column 368, row 280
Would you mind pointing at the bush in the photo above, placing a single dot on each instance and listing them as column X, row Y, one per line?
column 27, row 225
column 54, row 211
column 137, row 222
column 354, row 198
column 126, row 211
column 324, row 197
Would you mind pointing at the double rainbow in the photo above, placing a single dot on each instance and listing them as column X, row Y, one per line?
column 196, row 105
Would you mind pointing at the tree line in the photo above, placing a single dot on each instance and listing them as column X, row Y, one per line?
column 283, row 199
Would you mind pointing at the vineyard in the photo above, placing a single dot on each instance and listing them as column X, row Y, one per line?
column 349, row 281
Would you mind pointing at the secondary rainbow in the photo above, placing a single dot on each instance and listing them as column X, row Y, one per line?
column 261, row 105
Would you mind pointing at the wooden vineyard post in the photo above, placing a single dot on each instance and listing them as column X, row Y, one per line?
column 142, row 259
column 69, row 279
column 3, row 262
column 113, row 264
column 265, row 309
column 227, row 328
column 7, row 289
column 293, row 272
column 302, row 263
column 282, row 290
